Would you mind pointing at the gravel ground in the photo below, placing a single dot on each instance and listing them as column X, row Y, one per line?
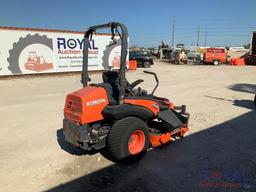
column 218, row 154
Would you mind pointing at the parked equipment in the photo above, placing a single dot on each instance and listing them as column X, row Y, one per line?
column 235, row 53
column 250, row 59
column 179, row 57
column 116, row 116
column 143, row 60
column 37, row 63
column 194, row 56
column 215, row 56
column 237, row 61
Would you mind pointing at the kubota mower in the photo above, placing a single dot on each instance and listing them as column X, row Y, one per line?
column 116, row 116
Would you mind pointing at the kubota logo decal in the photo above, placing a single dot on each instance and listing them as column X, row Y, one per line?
column 95, row 102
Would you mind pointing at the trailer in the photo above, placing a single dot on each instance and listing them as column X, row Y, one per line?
column 215, row 56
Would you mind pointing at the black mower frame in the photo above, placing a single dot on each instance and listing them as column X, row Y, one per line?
column 124, row 46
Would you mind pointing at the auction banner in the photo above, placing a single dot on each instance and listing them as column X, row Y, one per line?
column 31, row 51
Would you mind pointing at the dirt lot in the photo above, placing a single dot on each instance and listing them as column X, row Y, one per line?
column 217, row 155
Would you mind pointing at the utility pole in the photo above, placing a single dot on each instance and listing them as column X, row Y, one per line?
column 205, row 38
column 173, row 31
column 198, row 35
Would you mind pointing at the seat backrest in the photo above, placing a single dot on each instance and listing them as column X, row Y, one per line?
column 111, row 78
column 109, row 91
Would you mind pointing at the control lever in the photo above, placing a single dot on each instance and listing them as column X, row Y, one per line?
column 157, row 82
column 135, row 83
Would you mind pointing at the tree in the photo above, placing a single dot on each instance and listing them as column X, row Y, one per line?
column 247, row 46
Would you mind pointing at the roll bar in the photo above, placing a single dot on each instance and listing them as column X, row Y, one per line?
column 124, row 46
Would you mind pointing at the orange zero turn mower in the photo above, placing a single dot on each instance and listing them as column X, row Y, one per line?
column 115, row 115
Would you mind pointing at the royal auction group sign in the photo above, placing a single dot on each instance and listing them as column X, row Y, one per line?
column 30, row 51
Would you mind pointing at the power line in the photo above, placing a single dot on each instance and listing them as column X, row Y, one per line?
column 231, row 20
column 218, row 25
column 219, row 32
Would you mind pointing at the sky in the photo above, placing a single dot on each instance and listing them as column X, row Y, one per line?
column 222, row 22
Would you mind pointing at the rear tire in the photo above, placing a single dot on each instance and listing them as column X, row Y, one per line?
column 120, row 139
column 146, row 64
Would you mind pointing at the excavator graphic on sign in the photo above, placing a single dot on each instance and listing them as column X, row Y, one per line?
column 37, row 63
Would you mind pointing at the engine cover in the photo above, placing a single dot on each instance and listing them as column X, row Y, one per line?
column 85, row 105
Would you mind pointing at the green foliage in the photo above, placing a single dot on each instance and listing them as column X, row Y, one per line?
column 247, row 46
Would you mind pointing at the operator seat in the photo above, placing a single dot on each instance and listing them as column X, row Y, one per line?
column 110, row 83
